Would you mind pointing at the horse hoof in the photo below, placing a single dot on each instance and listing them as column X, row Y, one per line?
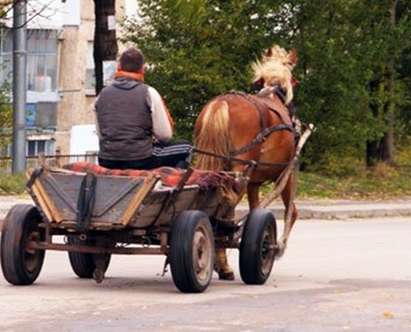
column 226, row 276
column 279, row 253
column 280, row 250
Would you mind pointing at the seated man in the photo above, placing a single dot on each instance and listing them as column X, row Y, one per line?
column 129, row 115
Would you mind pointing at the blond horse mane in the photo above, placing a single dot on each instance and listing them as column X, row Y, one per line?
column 275, row 68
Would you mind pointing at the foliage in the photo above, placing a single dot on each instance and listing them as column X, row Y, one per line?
column 5, row 98
column 199, row 49
column 12, row 184
column 345, row 49
column 5, row 115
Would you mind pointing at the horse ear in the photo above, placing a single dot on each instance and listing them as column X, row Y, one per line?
column 292, row 56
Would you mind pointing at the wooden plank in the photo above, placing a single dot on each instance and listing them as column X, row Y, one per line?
column 155, row 201
column 38, row 196
column 46, row 203
column 71, row 225
column 184, row 202
column 49, row 202
column 285, row 175
column 98, row 250
column 148, row 185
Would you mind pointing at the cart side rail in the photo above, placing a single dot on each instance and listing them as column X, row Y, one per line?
column 57, row 193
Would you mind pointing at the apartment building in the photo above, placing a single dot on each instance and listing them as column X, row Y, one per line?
column 60, row 71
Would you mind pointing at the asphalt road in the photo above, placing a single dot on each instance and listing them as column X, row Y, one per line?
column 336, row 276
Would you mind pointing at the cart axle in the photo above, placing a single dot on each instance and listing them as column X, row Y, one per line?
column 95, row 250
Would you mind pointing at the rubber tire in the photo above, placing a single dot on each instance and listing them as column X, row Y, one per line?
column 83, row 265
column 181, row 251
column 252, row 244
column 20, row 221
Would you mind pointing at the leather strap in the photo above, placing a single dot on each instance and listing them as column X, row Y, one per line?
column 86, row 201
column 262, row 107
column 261, row 137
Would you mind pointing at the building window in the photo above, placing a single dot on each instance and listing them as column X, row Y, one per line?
column 35, row 147
column 6, row 49
column 41, row 59
column 90, row 85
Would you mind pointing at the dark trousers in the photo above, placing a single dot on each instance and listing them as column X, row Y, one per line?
column 172, row 155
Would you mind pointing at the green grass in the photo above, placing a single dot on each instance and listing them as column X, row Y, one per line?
column 348, row 178
column 373, row 184
column 381, row 182
column 12, row 184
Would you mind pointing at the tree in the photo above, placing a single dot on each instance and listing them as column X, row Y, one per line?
column 199, row 49
column 348, row 53
column 4, row 4
column 105, row 41
column 5, row 115
column 388, row 88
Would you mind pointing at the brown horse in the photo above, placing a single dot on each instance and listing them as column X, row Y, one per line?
column 230, row 122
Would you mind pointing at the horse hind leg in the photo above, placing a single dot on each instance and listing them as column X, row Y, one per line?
column 224, row 270
column 253, row 195
column 221, row 266
column 290, row 214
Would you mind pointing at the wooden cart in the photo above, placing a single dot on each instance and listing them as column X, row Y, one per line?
column 102, row 215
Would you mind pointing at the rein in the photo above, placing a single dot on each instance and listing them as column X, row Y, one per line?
column 261, row 137
column 237, row 160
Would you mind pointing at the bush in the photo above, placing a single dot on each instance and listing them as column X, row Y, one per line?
column 12, row 184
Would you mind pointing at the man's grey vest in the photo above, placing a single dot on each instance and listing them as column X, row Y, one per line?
column 124, row 120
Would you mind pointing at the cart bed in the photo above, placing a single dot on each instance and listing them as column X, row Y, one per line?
column 120, row 201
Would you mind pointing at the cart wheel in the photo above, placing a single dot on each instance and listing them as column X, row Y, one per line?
column 192, row 252
column 257, row 249
column 21, row 266
column 84, row 265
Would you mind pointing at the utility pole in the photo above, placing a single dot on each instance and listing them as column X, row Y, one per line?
column 19, row 85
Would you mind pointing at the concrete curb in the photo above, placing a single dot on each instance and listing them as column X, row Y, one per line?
column 341, row 212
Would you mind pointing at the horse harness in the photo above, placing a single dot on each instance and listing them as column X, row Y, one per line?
column 262, row 106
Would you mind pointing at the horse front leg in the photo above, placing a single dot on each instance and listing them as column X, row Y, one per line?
column 290, row 214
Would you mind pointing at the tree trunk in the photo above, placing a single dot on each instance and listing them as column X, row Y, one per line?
column 105, row 41
column 383, row 149
column 388, row 140
column 373, row 147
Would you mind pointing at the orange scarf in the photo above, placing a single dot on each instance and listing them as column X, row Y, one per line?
column 140, row 77
column 128, row 74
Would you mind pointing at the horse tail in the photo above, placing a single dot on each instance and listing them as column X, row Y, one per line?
column 212, row 135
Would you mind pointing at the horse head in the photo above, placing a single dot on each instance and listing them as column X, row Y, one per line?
column 275, row 68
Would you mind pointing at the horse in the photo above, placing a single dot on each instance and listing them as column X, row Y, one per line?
column 230, row 124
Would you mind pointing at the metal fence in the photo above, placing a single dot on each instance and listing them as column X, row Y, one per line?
column 57, row 160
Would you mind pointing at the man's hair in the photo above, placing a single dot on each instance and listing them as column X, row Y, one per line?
column 132, row 60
